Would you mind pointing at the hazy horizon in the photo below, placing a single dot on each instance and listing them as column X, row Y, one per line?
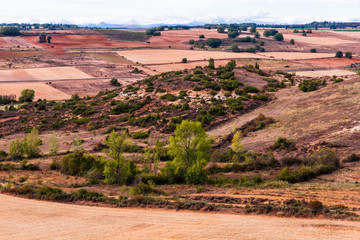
column 168, row 12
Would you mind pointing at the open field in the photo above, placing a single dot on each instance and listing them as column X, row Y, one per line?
column 316, row 39
column 332, row 62
column 321, row 73
column 42, row 90
column 44, row 220
column 163, row 56
column 296, row 55
column 42, row 74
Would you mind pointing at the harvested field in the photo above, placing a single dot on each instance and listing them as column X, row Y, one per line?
column 163, row 56
column 15, row 42
column 312, row 40
column 42, row 90
column 332, row 62
column 74, row 41
column 322, row 73
column 60, row 221
column 21, row 54
column 296, row 55
column 43, row 74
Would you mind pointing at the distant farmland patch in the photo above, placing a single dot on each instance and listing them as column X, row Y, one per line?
column 123, row 35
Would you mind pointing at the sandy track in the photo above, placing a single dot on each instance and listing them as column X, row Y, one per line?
column 31, row 219
column 163, row 56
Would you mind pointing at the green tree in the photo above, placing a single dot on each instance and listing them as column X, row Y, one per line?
column 348, row 55
column 253, row 30
column 16, row 149
column 117, row 169
column 339, row 54
column 184, row 60
column 76, row 145
column 27, row 95
column 220, row 29
column 213, row 42
column 292, row 41
column 49, row 39
column 32, row 144
column 233, row 34
column 10, row 31
column 114, row 82
column 270, row 32
column 257, row 34
column 190, row 148
column 54, row 144
column 230, row 65
column 42, row 38
column 236, row 145
column 279, row 37
column 211, row 64
column 235, row 48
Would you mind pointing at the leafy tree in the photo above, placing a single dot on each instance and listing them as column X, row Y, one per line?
column 292, row 41
column 257, row 34
column 348, row 55
column 270, row 32
column 313, row 50
column 114, row 82
column 253, row 29
column 42, row 38
column 237, row 146
column 213, row 42
column 220, row 29
column 16, row 149
column 76, row 145
column 10, row 31
column 235, row 48
column 32, row 144
column 49, row 39
column 230, row 65
column 27, row 95
column 54, row 144
column 233, row 34
column 184, row 60
column 339, row 54
column 191, row 41
column 118, row 170
column 190, row 148
column 211, row 64
column 279, row 37
column 201, row 36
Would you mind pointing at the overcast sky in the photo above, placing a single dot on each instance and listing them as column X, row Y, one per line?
column 179, row 11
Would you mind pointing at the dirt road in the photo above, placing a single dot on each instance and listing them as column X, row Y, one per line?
column 32, row 219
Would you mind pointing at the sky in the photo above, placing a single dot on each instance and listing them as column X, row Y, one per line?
column 177, row 12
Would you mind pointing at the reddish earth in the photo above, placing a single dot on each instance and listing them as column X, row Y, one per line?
column 47, row 220
column 332, row 62
column 74, row 41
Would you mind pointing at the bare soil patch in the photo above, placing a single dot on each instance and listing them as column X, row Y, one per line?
column 296, row 55
column 55, row 73
column 322, row 73
column 163, row 56
column 42, row 90
column 44, row 220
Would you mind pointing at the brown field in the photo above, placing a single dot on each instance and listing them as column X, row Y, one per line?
column 42, row 90
column 44, row 220
column 332, row 62
column 315, row 39
column 163, row 56
column 43, row 74
column 296, row 55
column 322, row 73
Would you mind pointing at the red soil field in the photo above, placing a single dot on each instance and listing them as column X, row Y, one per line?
column 74, row 41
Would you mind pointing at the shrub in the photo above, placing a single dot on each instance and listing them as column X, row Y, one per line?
column 233, row 34
column 201, row 36
column 191, row 41
column 279, row 37
column 313, row 50
column 250, row 89
column 283, row 144
column 81, row 121
column 234, row 48
column 184, row 60
column 338, row 80
column 352, row 158
column 140, row 135
column 79, row 164
column 292, row 41
column 16, row 149
column 308, row 86
column 261, row 97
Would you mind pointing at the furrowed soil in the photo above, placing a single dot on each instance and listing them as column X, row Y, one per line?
column 46, row 220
